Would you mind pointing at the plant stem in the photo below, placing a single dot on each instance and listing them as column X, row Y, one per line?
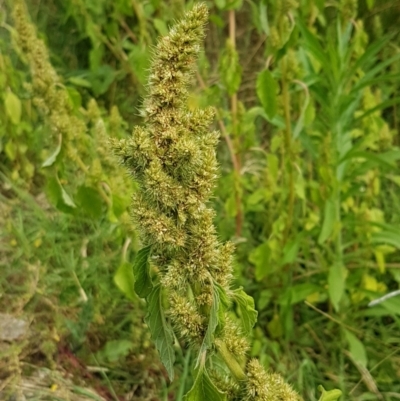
column 288, row 153
column 234, row 107
column 182, row 383
column 231, row 361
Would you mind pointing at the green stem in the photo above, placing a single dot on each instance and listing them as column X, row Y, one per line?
column 230, row 361
column 185, row 372
column 288, row 153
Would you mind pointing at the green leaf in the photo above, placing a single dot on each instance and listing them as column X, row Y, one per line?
column 247, row 312
column 79, row 81
column 336, row 284
column 290, row 251
column 230, row 69
column 221, row 4
column 298, row 293
column 263, row 18
column 53, row 157
column 224, row 305
column 370, row 4
column 90, row 201
column 125, row 280
column 139, row 60
column 141, row 271
column 212, row 325
column 204, row 389
column 267, row 93
column 331, row 395
column 11, row 150
column 13, row 107
column 66, row 198
column 260, row 257
column 357, row 349
column 160, row 329
column 116, row 349
column 161, row 26
column 387, row 237
column 329, row 221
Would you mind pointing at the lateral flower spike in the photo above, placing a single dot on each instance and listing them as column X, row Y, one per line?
column 173, row 160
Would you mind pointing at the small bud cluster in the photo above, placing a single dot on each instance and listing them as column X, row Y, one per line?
column 263, row 386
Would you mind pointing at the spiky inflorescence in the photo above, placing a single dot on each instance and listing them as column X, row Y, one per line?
column 263, row 386
column 49, row 95
column 173, row 160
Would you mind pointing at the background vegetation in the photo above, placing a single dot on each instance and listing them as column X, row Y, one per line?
column 306, row 94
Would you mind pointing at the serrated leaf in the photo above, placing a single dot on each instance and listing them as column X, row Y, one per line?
column 53, row 157
column 212, row 325
column 204, row 389
column 336, row 284
column 267, row 89
column 13, row 107
column 357, row 349
column 247, row 312
column 331, row 395
column 160, row 329
column 141, row 271
column 125, row 280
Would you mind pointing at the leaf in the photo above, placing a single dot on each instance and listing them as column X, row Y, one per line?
column 331, row 395
column 11, row 150
column 212, row 325
column 336, row 284
column 53, row 157
column 125, row 280
column 90, row 201
column 139, row 60
column 297, row 293
column 301, row 119
column 161, row 26
column 260, row 257
column 247, row 312
column 387, row 237
column 230, row 69
column 13, row 107
column 329, row 221
column 141, row 271
column 370, row 4
column 204, row 389
column 224, row 304
column 266, row 92
column 220, row 4
column 79, row 81
column 66, row 198
column 357, row 349
column 290, row 251
column 160, row 329
column 116, row 349
column 263, row 18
